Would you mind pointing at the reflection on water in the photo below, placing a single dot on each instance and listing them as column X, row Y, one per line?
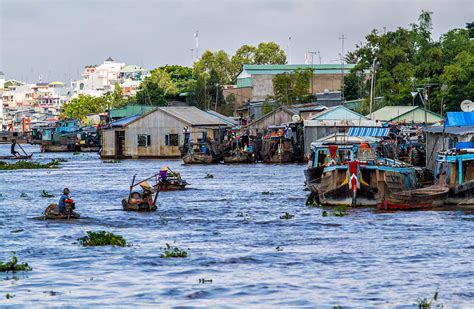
column 232, row 231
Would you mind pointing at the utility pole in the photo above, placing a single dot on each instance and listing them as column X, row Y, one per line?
column 217, row 96
column 312, row 67
column 192, row 56
column 342, row 38
column 289, row 50
column 372, row 86
column 196, row 36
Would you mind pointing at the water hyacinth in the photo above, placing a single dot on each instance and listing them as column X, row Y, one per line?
column 25, row 165
column 13, row 266
column 102, row 238
column 173, row 252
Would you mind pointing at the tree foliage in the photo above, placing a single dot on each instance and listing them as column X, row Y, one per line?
column 408, row 59
column 290, row 88
column 228, row 67
column 156, row 89
column 80, row 107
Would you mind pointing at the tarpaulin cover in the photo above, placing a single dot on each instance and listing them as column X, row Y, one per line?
column 464, row 145
column 459, row 119
column 359, row 131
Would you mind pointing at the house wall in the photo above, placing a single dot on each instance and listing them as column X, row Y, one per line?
column 276, row 118
column 156, row 124
column 262, row 84
column 436, row 143
column 242, row 95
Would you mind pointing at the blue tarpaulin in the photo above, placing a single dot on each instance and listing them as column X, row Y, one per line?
column 376, row 132
column 124, row 121
column 459, row 119
column 464, row 145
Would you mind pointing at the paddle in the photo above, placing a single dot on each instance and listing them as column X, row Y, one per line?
column 131, row 188
column 26, row 154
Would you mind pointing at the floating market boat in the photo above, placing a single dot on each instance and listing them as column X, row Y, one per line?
column 239, row 156
column 353, row 174
column 429, row 197
column 455, row 169
column 142, row 201
column 52, row 212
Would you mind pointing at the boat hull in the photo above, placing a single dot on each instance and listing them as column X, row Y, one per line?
column 52, row 213
column 16, row 158
column 429, row 197
column 313, row 178
column 140, row 207
column 198, row 158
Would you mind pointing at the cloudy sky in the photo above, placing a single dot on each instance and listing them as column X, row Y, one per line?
column 55, row 39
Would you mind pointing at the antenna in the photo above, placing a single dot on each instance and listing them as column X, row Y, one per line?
column 342, row 38
column 289, row 50
column 196, row 35
column 467, row 106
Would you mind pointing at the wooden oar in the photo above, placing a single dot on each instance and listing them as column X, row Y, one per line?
column 131, row 187
column 23, row 150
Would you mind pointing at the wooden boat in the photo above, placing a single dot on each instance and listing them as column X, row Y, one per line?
column 12, row 157
column 429, row 197
column 171, row 184
column 136, row 203
column 455, row 168
column 238, row 156
column 199, row 158
column 52, row 213
column 144, row 201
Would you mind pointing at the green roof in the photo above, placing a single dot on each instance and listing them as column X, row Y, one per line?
column 132, row 68
column 130, row 110
column 273, row 69
column 405, row 114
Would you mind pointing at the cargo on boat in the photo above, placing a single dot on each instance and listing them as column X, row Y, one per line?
column 169, row 180
column 241, row 147
column 283, row 144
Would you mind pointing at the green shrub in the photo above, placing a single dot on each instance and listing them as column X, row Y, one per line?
column 102, row 238
column 46, row 194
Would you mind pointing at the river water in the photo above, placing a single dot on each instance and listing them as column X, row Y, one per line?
column 231, row 227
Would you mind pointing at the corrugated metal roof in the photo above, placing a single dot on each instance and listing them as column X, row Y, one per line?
column 130, row 110
column 387, row 113
column 273, row 69
column 193, row 116
column 375, row 132
column 451, row 130
column 226, row 119
column 124, row 121
column 338, row 112
column 460, row 119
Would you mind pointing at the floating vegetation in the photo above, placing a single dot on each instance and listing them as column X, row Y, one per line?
column 424, row 303
column 313, row 204
column 325, row 213
column 23, row 194
column 279, row 248
column 173, row 252
column 267, row 193
column 111, row 161
column 13, row 266
column 208, row 176
column 340, row 211
column 27, row 165
column 286, row 216
column 203, row 280
column 46, row 194
column 102, row 238
column 76, row 153
column 61, row 160
column 9, row 296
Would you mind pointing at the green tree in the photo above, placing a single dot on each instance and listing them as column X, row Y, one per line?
column 291, row 88
column 116, row 98
column 80, row 107
column 156, row 89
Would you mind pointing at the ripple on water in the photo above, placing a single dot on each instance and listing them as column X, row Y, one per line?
column 234, row 237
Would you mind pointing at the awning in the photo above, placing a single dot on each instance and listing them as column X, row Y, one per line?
column 360, row 131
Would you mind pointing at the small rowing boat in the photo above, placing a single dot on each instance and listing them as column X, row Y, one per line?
column 12, row 157
column 429, row 197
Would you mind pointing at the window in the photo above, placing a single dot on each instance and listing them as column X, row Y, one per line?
column 144, row 140
column 172, row 140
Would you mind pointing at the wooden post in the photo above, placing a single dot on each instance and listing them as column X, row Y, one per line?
column 131, row 187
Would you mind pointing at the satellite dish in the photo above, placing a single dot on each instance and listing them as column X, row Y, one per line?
column 467, row 106
column 296, row 118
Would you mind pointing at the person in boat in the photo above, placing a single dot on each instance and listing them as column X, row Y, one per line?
column 163, row 175
column 13, row 150
column 187, row 135
column 62, row 201
column 147, row 194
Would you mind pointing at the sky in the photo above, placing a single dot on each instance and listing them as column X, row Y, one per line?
column 54, row 40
